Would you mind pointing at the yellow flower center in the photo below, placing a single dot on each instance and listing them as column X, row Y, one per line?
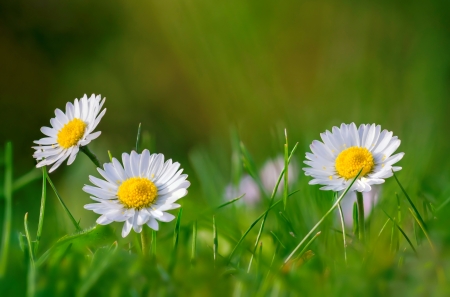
column 71, row 133
column 137, row 192
column 350, row 161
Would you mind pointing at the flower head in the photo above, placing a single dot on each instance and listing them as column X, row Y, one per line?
column 346, row 150
column 69, row 131
column 137, row 193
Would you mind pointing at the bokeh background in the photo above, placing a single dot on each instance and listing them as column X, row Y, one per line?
column 195, row 72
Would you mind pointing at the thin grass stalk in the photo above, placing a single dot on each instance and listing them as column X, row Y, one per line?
column 194, row 243
column 323, row 218
column 423, row 229
column 403, row 232
column 69, row 214
column 215, row 241
column 286, row 170
column 42, row 209
column 8, row 209
column 341, row 215
column 361, row 218
column 410, row 201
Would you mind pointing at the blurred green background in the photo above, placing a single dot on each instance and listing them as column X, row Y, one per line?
column 191, row 71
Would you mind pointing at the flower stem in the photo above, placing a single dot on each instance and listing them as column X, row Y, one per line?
column 360, row 203
column 91, row 155
column 144, row 241
column 42, row 210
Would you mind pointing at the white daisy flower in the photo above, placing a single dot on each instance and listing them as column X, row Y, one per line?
column 69, row 131
column 344, row 151
column 138, row 193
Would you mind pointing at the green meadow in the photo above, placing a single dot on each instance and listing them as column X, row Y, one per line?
column 234, row 91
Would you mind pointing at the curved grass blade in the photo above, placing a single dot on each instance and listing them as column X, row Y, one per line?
column 72, row 219
column 229, row 202
column 323, row 218
column 410, row 201
column 215, row 241
column 341, row 215
column 423, row 229
column 176, row 235
column 27, row 235
column 194, row 243
column 403, row 232
column 138, row 137
column 42, row 210
column 286, row 170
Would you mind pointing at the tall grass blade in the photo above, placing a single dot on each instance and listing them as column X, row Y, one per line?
column 403, row 232
column 153, row 244
column 230, row 202
column 355, row 219
column 341, row 215
column 138, row 137
column 323, row 218
column 423, row 229
column 277, row 239
column 176, row 235
column 42, row 210
column 7, row 188
column 215, row 241
column 286, row 170
column 29, row 241
column 72, row 219
column 194, row 243
column 410, row 201
column 443, row 204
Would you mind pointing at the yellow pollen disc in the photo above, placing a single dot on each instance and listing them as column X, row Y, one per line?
column 351, row 160
column 71, row 133
column 137, row 192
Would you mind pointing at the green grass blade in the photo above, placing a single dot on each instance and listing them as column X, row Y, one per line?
column 341, row 215
column 153, row 244
column 403, row 232
column 42, row 209
column 138, row 137
column 7, row 188
column 309, row 243
column 253, row 224
column 74, row 222
column 229, row 202
column 277, row 239
column 176, row 235
column 110, row 156
column 355, row 219
column 323, row 218
column 215, row 241
column 194, row 243
column 410, row 201
column 97, row 235
column 443, row 204
column 423, row 229
column 286, row 170
column 27, row 235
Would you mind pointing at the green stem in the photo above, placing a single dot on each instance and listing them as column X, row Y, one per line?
column 91, row 155
column 360, row 203
column 42, row 210
column 72, row 219
column 8, row 209
column 144, row 241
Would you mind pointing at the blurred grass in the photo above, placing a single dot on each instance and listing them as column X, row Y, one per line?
column 190, row 71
